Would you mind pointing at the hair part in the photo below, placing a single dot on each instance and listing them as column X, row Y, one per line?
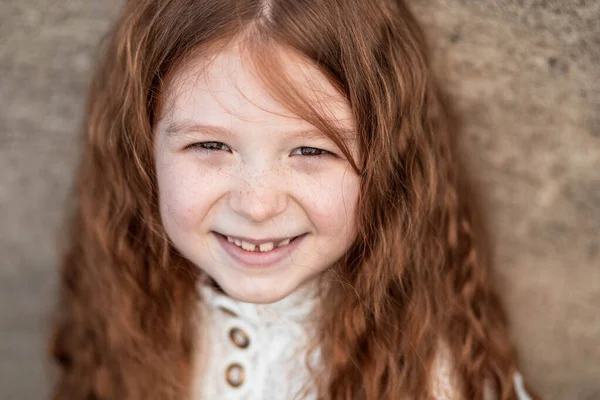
column 416, row 275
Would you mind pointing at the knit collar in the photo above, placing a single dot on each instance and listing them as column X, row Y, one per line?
column 293, row 309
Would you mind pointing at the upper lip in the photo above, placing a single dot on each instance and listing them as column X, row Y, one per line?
column 258, row 241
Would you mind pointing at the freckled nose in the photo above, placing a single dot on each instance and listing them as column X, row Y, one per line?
column 259, row 198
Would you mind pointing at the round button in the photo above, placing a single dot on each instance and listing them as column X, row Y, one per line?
column 235, row 374
column 239, row 338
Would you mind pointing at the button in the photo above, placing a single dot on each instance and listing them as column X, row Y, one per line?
column 235, row 375
column 239, row 338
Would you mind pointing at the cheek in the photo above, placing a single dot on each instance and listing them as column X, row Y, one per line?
column 186, row 193
column 332, row 202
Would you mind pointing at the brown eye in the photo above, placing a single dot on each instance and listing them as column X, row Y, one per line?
column 310, row 152
column 211, row 146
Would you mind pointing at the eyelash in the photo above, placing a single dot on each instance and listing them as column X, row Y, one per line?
column 216, row 146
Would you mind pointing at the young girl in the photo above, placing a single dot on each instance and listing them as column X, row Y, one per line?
column 270, row 206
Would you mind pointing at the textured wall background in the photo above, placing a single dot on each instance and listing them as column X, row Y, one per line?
column 525, row 75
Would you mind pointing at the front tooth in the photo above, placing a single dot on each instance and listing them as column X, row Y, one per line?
column 283, row 243
column 237, row 242
column 266, row 246
column 247, row 246
column 230, row 239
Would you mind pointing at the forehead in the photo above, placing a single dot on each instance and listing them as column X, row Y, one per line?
column 226, row 89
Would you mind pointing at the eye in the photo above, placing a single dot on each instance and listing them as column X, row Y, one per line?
column 311, row 152
column 210, row 146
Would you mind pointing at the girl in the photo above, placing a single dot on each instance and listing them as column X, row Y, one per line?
column 270, row 206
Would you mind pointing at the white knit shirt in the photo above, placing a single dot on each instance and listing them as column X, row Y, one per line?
column 256, row 351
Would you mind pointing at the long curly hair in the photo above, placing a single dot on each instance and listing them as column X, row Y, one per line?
column 415, row 277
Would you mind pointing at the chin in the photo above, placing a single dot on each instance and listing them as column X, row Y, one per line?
column 254, row 293
column 263, row 298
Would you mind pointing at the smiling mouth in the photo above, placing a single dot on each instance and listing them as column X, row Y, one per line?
column 253, row 256
column 252, row 246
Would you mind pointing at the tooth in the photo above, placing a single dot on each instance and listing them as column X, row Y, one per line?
column 283, row 243
column 237, row 242
column 248, row 246
column 266, row 246
column 231, row 240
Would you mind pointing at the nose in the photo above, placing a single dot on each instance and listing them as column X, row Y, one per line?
column 259, row 196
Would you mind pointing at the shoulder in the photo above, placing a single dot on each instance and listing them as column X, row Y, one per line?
column 444, row 379
column 446, row 384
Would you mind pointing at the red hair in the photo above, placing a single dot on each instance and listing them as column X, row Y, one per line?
column 416, row 276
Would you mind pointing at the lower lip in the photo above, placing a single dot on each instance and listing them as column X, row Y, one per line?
column 256, row 259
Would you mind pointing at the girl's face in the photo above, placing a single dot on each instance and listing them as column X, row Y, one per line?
column 239, row 176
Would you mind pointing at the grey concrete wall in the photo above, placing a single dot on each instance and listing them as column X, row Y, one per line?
column 525, row 75
column 526, row 78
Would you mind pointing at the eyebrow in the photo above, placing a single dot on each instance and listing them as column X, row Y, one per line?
column 182, row 127
column 177, row 128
